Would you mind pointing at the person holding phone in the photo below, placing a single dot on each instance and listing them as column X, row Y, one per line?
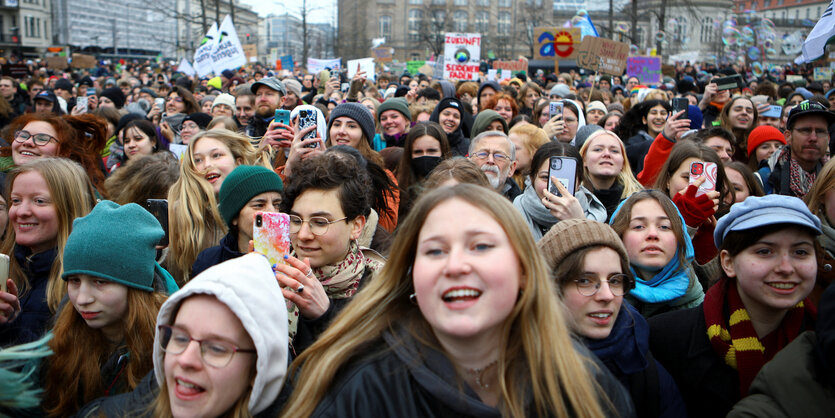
column 246, row 191
column 540, row 208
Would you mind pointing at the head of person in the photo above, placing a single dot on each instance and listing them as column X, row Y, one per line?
column 46, row 102
column 449, row 113
column 455, row 171
column 394, row 117
column 771, row 116
column 371, row 104
column 807, row 132
column 223, row 122
column 718, row 139
column 529, row 94
column 495, row 154
column 488, row 120
column 485, row 92
column 294, row 93
column 193, row 124
column 109, row 271
column 743, row 182
column 150, row 178
column 821, row 197
column 112, row 97
column 763, row 141
column 180, row 100
column 674, row 176
column 794, row 99
column 232, row 365
column 431, row 258
column 595, row 112
column 48, row 193
column 245, row 104
column 269, row 95
column 605, row 162
column 739, row 114
column 246, row 191
column 140, row 138
column 212, row 155
column 590, row 265
column 224, row 105
column 63, row 88
column 206, row 103
column 540, row 164
column 328, row 201
column 654, row 117
column 653, row 231
column 526, row 138
column 8, row 87
column 425, row 147
column 573, row 119
column 768, row 250
column 504, row 105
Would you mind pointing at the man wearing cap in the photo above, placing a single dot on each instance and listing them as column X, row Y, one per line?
column 269, row 96
column 797, row 164
column 46, row 102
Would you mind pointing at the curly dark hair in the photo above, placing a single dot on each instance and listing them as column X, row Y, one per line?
column 327, row 172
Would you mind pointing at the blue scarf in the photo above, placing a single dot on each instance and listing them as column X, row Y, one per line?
column 624, row 350
column 670, row 282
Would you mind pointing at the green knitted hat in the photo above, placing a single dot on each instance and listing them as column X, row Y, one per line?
column 242, row 184
column 116, row 243
column 397, row 104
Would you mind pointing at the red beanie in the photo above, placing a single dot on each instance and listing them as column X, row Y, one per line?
column 762, row 134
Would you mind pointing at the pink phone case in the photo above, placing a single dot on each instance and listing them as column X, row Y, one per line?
column 272, row 236
column 706, row 169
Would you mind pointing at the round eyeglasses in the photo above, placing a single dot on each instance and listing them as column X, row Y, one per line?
column 215, row 353
column 589, row 284
column 318, row 225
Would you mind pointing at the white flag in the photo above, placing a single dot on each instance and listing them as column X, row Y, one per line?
column 203, row 54
column 186, row 68
column 228, row 53
column 820, row 35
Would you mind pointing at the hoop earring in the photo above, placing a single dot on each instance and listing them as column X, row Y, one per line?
column 413, row 299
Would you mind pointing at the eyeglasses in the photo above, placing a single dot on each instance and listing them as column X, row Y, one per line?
column 318, row 225
column 589, row 284
column 189, row 125
column 176, row 99
column 215, row 353
column 808, row 132
column 39, row 139
column 497, row 156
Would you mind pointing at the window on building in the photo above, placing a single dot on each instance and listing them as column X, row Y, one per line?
column 415, row 18
column 482, row 22
column 459, row 21
column 681, row 29
column 504, row 3
column 482, row 2
column 706, row 32
column 503, row 24
column 439, row 2
column 796, row 14
column 767, row 3
column 385, row 27
column 460, row 2
column 415, row 1
column 808, row 9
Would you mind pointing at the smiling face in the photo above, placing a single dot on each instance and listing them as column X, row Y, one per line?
column 214, row 160
column 649, row 239
column 393, row 122
column 776, row 272
column 604, row 157
column 655, row 119
column 137, row 144
column 595, row 315
column 722, row 147
column 345, row 131
column 331, row 247
column 741, row 114
column 32, row 213
column 450, row 119
column 741, row 191
column 466, row 273
column 27, row 150
column 174, row 104
column 245, row 109
column 100, row 302
column 196, row 389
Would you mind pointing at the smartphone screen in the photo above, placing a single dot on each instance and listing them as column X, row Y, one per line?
column 564, row 169
column 271, row 236
column 81, row 102
column 707, row 170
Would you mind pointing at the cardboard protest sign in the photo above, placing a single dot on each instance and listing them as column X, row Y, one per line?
column 228, row 53
column 57, row 63
column 382, row 54
column 602, row 55
column 646, row 69
column 513, row 66
column 364, row 64
column 462, row 54
column 555, row 43
column 83, row 61
column 250, row 50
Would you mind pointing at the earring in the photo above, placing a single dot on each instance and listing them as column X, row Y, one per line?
column 413, row 299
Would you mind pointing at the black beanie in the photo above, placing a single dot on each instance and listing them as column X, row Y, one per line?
column 115, row 95
column 357, row 112
column 201, row 119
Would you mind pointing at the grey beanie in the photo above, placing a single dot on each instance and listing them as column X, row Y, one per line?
column 584, row 132
column 357, row 112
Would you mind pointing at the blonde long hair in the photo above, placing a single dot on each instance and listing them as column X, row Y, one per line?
column 537, row 351
column 194, row 222
column 73, row 195
column 625, row 177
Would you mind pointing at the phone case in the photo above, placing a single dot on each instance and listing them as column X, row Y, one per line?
column 706, row 169
column 680, row 104
column 307, row 119
column 159, row 208
column 565, row 170
column 4, row 271
column 554, row 108
column 271, row 236
column 282, row 116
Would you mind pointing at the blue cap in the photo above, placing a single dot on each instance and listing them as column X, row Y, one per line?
column 773, row 209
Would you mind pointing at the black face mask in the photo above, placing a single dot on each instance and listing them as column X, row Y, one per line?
column 422, row 166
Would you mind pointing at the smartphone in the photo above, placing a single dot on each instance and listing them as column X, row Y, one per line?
column 346, row 87
column 91, row 91
column 4, row 271
column 307, row 118
column 81, row 102
column 271, row 236
column 555, row 108
column 282, row 116
column 159, row 208
column 160, row 102
column 706, row 169
column 729, row 83
column 564, row 169
column 679, row 104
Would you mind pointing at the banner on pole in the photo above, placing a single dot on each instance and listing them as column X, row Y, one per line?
column 186, row 68
column 203, row 54
column 554, row 43
column 228, row 54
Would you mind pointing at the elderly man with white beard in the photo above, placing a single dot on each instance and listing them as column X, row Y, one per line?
column 495, row 155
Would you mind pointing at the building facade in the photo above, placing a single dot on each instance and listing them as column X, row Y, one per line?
column 25, row 27
column 285, row 36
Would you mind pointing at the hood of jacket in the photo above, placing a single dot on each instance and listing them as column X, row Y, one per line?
column 483, row 120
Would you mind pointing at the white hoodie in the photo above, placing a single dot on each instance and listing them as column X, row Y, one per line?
column 246, row 285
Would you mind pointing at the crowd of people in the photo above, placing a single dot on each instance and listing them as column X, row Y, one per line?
column 679, row 266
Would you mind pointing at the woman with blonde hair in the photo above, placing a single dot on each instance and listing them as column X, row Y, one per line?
column 454, row 171
column 194, row 222
column 455, row 324
column 527, row 138
column 821, row 201
column 48, row 193
column 606, row 170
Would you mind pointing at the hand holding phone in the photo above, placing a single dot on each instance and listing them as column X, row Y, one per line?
column 282, row 116
column 706, row 170
column 271, row 236
column 564, row 169
column 308, row 118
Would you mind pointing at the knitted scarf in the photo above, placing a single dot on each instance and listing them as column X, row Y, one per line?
column 733, row 337
column 799, row 180
column 340, row 281
column 536, row 215
column 624, row 350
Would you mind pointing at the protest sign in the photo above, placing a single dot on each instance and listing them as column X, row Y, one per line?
column 646, row 69
column 315, row 65
column 602, row 55
column 513, row 66
column 505, row 75
column 413, row 67
column 250, row 50
column 56, row 63
column 554, row 43
column 83, row 61
column 382, row 54
column 186, row 68
column 285, row 62
column 491, row 74
column 364, row 64
column 203, row 54
column 462, row 54
column 823, row 73
column 228, row 53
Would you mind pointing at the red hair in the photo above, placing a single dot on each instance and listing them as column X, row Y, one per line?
column 494, row 101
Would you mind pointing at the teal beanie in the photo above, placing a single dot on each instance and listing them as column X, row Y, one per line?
column 242, row 184
column 397, row 104
column 116, row 243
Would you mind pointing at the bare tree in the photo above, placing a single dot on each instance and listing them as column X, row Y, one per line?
column 527, row 19
column 437, row 20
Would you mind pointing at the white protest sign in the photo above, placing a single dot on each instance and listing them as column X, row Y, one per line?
column 203, row 54
column 186, row 68
column 315, row 65
column 228, row 53
column 462, row 53
column 506, row 75
column 365, row 64
column 491, row 74
column 178, row 149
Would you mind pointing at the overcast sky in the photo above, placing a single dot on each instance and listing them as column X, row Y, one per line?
column 322, row 11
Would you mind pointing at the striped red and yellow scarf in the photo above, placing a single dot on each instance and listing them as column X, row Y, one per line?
column 733, row 336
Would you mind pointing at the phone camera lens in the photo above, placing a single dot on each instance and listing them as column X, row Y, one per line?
column 258, row 221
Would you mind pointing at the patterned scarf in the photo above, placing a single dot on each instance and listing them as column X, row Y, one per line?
column 799, row 180
column 340, row 281
column 733, row 337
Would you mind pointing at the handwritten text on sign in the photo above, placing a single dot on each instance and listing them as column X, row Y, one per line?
column 646, row 69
